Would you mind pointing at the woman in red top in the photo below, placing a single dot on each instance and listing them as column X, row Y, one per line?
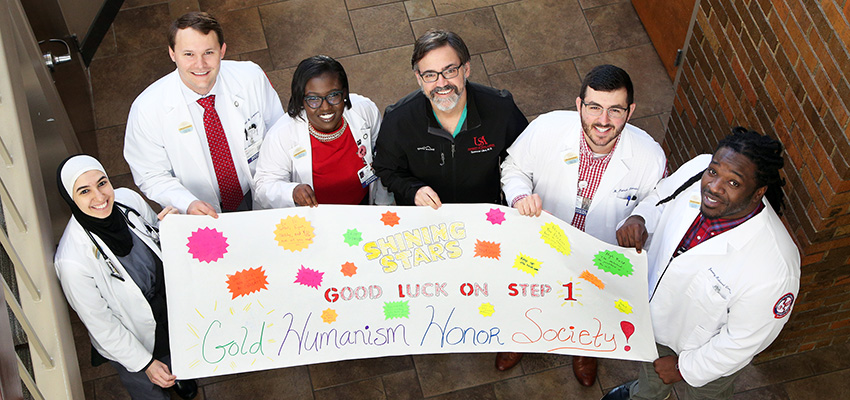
column 321, row 153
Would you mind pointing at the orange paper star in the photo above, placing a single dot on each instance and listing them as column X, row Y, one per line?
column 390, row 218
column 348, row 269
column 487, row 249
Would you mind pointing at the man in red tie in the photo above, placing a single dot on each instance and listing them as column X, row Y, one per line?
column 193, row 136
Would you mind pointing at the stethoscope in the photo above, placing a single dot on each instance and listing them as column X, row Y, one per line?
column 152, row 233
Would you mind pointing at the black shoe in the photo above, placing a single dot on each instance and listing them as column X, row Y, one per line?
column 187, row 389
column 620, row 392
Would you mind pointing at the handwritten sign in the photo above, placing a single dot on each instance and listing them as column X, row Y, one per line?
column 268, row 289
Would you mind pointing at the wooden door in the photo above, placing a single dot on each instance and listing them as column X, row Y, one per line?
column 667, row 24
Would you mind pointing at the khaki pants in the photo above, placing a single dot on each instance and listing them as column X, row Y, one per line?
column 650, row 386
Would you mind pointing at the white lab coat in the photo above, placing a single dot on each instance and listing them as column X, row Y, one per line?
column 720, row 303
column 116, row 314
column 167, row 156
column 286, row 157
column 545, row 160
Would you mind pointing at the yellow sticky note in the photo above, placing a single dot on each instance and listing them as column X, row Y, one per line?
column 555, row 237
column 294, row 233
column 527, row 264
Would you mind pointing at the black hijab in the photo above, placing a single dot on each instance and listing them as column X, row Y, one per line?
column 113, row 230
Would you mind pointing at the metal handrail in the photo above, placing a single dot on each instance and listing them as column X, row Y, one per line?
column 28, row 381
column 20, row 271
column 13, row 209
column 25, row 323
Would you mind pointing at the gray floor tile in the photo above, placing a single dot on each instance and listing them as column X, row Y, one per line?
column 355, row 4
column 613, row 373
column 542, row 89
column 116, row 81
column 771, row 372
column 142, row 28
column 110, row 388
column 402, row 385
column 536, row 362
column 128, row 4
column 176, row 8
column 543, row 31
column 596, row 3
column 484, row 392
column 298, row 29
column 243, row 31
column 479, row 29
column 834, row 385
column 773, row 392
column 381, row 27
column 544, row 384
column 277, row 384
column 443, row 373
column 652, row 125
column 260, row 57
column 366, row 390
column 418, row 9
column 342, row 372
column 453, row 6
column 384, row 76
column 627, row 32
column 498, row 61
column 110, row 145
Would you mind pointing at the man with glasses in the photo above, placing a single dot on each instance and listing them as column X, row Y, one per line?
column 587, row 167
column 194, row 135
column 445, row 142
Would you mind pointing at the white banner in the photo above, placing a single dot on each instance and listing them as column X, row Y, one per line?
column 276, row 288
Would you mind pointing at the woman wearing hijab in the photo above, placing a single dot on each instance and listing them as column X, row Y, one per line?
column 109, row 264
column 321, row 153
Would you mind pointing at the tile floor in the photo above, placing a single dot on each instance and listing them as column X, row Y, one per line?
column 537, row 49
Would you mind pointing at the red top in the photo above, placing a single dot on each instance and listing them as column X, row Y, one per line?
column 704, row 228
column 335, row 166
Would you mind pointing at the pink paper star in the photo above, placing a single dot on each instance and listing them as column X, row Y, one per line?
column 495, row 216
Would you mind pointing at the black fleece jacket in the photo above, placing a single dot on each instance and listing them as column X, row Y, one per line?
column 413, row 150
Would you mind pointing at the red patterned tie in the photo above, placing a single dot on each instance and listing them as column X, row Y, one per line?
column 225, row 171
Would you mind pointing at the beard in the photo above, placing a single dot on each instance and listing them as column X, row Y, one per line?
column 613, row 133
column 444, row 104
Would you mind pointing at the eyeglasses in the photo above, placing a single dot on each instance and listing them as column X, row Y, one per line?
column 595, row 110
column 333, row 98
column 432, row 76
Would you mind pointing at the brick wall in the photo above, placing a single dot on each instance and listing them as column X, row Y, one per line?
column 781, row 67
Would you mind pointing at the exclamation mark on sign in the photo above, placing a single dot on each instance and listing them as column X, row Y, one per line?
column 628, row 330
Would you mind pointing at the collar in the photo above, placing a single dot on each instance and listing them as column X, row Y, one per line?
column 192, row 97
column 585, row 152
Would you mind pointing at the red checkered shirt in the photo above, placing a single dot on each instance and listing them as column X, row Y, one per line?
column 704, row 228
column 590, row 171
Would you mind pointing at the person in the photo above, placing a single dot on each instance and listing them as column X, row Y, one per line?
column 444, row 143
column 321, row 153
column 723, row 270
column 588, row 167
column 193, row 136
column 109, row 265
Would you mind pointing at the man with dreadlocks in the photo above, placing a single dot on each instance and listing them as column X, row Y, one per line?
column 723, row 270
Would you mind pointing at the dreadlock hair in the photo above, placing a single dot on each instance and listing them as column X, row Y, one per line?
column 764, row 151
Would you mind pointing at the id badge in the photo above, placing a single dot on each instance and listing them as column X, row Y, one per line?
column 366, row 176
column 582, row 205
column 252, row 151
